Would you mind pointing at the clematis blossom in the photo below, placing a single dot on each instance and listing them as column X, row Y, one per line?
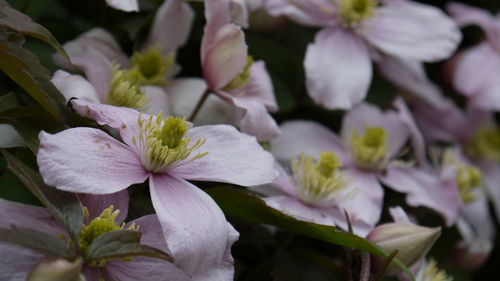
column 167, row 152
column 370, row 139
column 124, row 5
column 475, row 70
column 233, row 76
column 338, row 64
column 110, row 210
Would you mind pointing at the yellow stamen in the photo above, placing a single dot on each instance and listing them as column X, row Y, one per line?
column 153, row 66
column 468, row 178
column 370, row 150
column 352, row 12
column 433, row 273
column 485, row 144
column 124, row 90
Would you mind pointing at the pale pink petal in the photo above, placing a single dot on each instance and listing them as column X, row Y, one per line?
column 410, row 76
column 412, row 31
column 398, row 214
column 256, row 120
column 151, row 232
column 124, row 5
column 195, row 229
column 425, row 189
column 17, row 262
column 283, row 182
column 144, row 269
column 171, row 25
column 475, row 76
column 259, row 88
column 97, row 69
column 239, row 12
column 308, row 137
column 217, row 14
column 96, row 204
column 479, row 218
column 158, row 100
column 9, row 137
column 224, row 58
column 338, row 68
column 366, row 115
column 74, row 86
column 307, row 12
column 184, row 94
column 88, row 160
column 232, row 157
column 18, row 214
column 491, row 176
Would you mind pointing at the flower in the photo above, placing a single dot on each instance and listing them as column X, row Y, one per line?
column 478, row 84
column 234, row 76
column 104, row 213
column 167, row 152
column 124, row 5
column 338, row 64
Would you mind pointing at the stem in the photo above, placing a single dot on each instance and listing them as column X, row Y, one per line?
column 365, row 267
column 200, row 103
column 389, row 259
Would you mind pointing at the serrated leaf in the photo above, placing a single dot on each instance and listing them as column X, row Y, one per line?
column 65, row 206
column 35, row 240
column 25, row 69
column 247, row 207
column 15, row 20
column 121, row 244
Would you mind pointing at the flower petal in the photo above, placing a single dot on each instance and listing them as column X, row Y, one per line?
column 74, row 86
column 18, row 262
column 9, row 137
column 150, row 228
column 232, row 157
column 195, row 229
column 97, row 203
column 425, row 189
column 412, row 31
column 338, row 68
column 158, row 100
column 171, row 25
column 124, row 5
column 256, row 120
column 88, row 160
column 239, row 12
column 491, row 172
column 304, row 136
column 307, row 12
column 144, row 269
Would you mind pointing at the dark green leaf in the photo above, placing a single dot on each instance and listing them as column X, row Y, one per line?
column 244, row 206
column 121, row 244
column 64, row 206
column 13, row 19
column 36, row 240
column 7, row 102
column 24, row 68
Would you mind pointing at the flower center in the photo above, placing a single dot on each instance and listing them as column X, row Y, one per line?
column 370, row 150
column 318, row 182
column 125, row 91
column 164, row 142
column 352, row 12
column 152, row 66
column 242, row 79
column 100, row 225
column 485, row 144
column 433, row 273
column 468, row 178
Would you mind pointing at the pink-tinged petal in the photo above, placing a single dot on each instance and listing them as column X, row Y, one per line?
column 232, row 157
column 255, row 120
column 365, row 204
column 124, row 5
column 478, row 216
column 425, row 189
column 217, row 14
column 338, row 68
column 18, row 214
column 144, row 269
column 398, row 214
column 467, row 15
column 259, row 88
column 195, row 229
column 158, row 100
column 185, row 93
column 367, row 115
column 97, row 69
column 224, row 58
column 74, row 86
column 88, row 160
column 9, row 137
column 17, row 262
column 282, row 183
column 239, row 12
column 123, row 119
column 150, row 228
column 410, row 76
column 95, row 204
column 412, row 31
column 171, row 25
column 308, row 137
column 475, row 77
column 491, row 176
column 315, row 214
column 307, row 12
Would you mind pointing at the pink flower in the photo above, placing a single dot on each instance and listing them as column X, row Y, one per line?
column 168, row 153
column 355, row 32
column 21, row 260
column 476, row 70
column 232, row 75
column 124, row 5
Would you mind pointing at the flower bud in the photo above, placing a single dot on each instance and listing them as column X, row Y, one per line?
column 57, row 270
column 411, row 241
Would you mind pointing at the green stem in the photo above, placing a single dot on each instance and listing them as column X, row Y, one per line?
column 200, row 103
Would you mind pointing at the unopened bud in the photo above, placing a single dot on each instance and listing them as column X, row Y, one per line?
column 57, row 270
column 411, row 241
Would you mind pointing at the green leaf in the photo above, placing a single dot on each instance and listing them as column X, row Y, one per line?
column 121, row 244
column 36, row 240
column 25, row 69
column 64, row 206
column 247, row 207
column 7, row 102
column 15, row 20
